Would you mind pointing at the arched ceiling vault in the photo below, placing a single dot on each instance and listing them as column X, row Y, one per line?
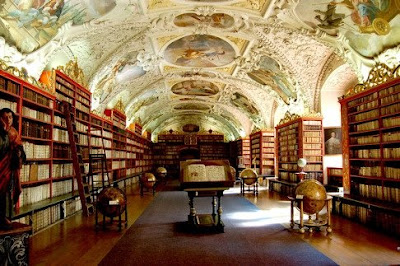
column 232, row 66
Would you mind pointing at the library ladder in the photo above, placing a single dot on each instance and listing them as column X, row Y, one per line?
column 77, row 161
column 98, row 165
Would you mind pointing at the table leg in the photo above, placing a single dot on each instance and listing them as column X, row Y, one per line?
column 291, row 214
column 301, row 218
column 328, row 210
column 214, row 204
column 219, row 224
column 192, row 213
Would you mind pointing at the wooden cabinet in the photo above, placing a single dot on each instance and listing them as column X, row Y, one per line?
column 300, row 137
column 263, row 152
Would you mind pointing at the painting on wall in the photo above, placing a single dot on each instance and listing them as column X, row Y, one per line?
column 218, row 20
column 242, row 102
column 199, row 51
column 195, row 88
column 31, row 24
column 192, row 106
column 333, row 140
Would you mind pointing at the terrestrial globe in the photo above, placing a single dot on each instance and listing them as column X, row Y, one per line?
column 148, row 180
column 161, row 172
column 249, row 176
column 111, row 202
column 314, row 195
column 302, row 162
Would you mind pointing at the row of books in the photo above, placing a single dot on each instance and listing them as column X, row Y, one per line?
column 364, row 116
column 32, row 195
column 36, row 151
column 82, row 107
column 83, row 99
column 312, row 146
column 335, row 171
column 62, row 97
column 391, row 109
column 371, row 125
column 365, row 154
column 82, row 115
column 363, row 99
column 63, row 187
column 363, row 107
column 390, row 90
column 292, row 131
column 391, row 121
column 60, row 135
column 61, row 170
column 319, row 127
column 72, row 206
column 390, row 99
column 288, row 127
column 32, row 113
column 66, row 84
column 8, row 85
column 391, row 153
column 312, row 152
column 35, row 130
column 8, row 104
column 34, row 172
column 37, row 98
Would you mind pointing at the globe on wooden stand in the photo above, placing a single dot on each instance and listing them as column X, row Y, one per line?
column 148, row 181
column 161, row 174
column 111, row 202
column 310, row 198
column 249, row 177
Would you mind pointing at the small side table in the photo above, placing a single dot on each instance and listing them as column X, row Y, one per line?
column 14, row 245
column 310, row 223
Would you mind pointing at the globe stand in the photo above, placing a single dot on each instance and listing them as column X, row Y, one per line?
column 310, row 223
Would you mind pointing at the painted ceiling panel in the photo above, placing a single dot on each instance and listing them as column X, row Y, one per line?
column 233, row 66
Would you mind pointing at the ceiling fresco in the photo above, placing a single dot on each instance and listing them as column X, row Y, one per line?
column 195, row 88
column 31, row 24
column 233, row 66
column 199, row 51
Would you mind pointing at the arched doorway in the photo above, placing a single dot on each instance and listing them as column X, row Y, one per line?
column 189, row 153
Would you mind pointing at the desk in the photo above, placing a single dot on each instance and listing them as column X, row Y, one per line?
column 211, row 221
column 310, row 223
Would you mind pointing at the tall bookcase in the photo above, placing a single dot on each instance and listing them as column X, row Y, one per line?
column 49, row 187
column 263, row 151
column 244, row 152
column 298, row 137
column 371, row 156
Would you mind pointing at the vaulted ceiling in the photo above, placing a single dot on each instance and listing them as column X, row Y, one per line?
column 232, row 66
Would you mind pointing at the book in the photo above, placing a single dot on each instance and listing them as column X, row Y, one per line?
column 205, row 173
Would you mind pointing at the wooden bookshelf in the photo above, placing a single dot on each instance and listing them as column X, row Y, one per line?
column 299, row 137
column 244, row 152
column 49, row 187
column 263, row 152
column 335, row 176
column 371, row 141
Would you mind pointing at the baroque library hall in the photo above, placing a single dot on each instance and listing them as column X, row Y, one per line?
column 199, row 132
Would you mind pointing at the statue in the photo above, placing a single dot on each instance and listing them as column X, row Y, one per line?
column 12, row 156
column 331, row 19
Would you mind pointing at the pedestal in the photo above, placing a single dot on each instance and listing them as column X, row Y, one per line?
column 310, row 223
column 15, row 245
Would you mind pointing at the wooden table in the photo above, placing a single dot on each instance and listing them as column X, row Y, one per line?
column 310, row 223
column 211, row 221
column 14, row 244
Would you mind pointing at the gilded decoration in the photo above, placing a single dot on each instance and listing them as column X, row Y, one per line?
column 288, row 117
column 72, row 70
column 379, row 74
column 240, row 43
column 120, row 106
column 23, row 74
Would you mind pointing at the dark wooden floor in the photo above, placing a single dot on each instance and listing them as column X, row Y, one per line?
column 75, row 242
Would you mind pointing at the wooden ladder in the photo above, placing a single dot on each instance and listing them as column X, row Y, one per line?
column 98, row 165
column 77, row 161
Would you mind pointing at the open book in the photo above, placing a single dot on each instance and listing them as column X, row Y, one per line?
column 204, row 173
